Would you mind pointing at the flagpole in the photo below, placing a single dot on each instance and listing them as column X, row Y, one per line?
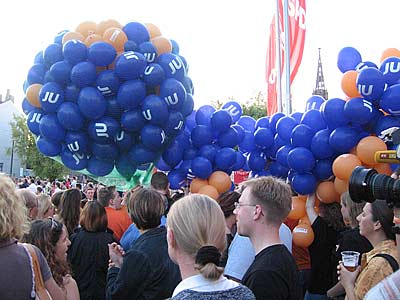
column 279, row 59
column 288, row 101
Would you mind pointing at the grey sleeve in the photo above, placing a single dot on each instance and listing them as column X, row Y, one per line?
column 44, row 267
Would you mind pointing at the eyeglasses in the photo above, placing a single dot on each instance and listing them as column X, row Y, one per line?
column 238, row 205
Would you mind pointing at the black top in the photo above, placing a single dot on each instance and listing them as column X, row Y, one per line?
column 147, row 271
column 321, row 251
column 273, row 275
column 88, row 256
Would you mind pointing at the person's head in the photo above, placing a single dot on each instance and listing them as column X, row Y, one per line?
column 39, row 190
column 109, row 196
column 146, row 207
column 330, row 213
column 160, row 182
column 78, row 186
column 71, row 209
column 264, row 200
column 58, row 184
column 46, row 208
column 90, row 194
column 350, row 210
column 93, row 217
column 56, row 200
column 196, row 229
column 13, row 212
column 376, row 219
column 32, row 181
column 30, row 201
column 51, row 237
column 227, row 203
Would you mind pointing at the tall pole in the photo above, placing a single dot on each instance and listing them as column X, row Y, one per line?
column 286, row 29
column 12, row 158
column 279, row 58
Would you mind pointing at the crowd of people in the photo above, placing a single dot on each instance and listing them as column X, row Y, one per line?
column 83, row 240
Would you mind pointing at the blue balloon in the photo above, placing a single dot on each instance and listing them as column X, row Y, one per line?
column 48, row 147
column 185, row 64
column 70, row 116
column 139, row 155
column 108, row 83
column 71, row 93
column 304, row 183
column 365, row 64
column 323, row 169
column 333, row 112
column 124, row 167
column 371, row 84
column 359, row 111
column 177, row 179
column 262, row 123
column 155, row 110
column 278, row 142
column 225, row 158
column 132, row 120
column 247, row 143
column 36, row 74
column 103, row 130
column 51, row 96
column 301, row 136
column 301, row 160
column 175, row 47
column 348, row 59
column 130, row 46
column 75, row 52
column 83, row 74
column 153, row 75
column 52, row 54
column 101, row 54
column 188, row 84
column 105, row 152
column 248, row 123
column 27, row 107
column 263, row 138
column 190, row 153
column 124, row 141
column 162, row 165
column 113, row 109
column 343, row 139
column 131, row 93
column 274, row 119
column 386, row 122
column 92, row 103
column 314, row 102
column 241, row 132
column 229, row 138
column 136, row 32
column 73, row 161
column 370, row 126
column 48, row 77
column 201, row 167
column 390, row 100
column 234, row 109
column 130, row 65
column 282, row 154
column 185, row 166
column 203, row 115
column 284, row 127
column 221, row 120
column 208, row 151
column 256, row 160
column 39, row 58
column 183, row 139
column 153, row 137
column 149, row 51
column 390, row 69
column 313, row 119
column 173, row 93
column 77, row 141
column 320, row 146
column 173, row 155
column 297, row 116
column 174, row 124
column 240, row 161
column 201, row 135
column 51, row 129
column 277, row 170
column 98, row 167
column 61, row 72
column 188, row 105
column 172, row 65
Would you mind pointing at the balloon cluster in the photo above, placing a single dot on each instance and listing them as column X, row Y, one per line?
column 108, row 97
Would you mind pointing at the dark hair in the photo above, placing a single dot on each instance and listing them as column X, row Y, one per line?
column 159, row 181
column 93, row 217
column 382, row 213
column 332, row 215
column 56, row 200
column 146, row 207
column 71, row 209
column 78, row 186
column 45, row 234
column 227, row 202
column 105, row 194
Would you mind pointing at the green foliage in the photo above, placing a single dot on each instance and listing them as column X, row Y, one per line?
column 25, row 146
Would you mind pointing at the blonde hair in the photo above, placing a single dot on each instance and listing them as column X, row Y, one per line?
column 44, row 203
column 354, row 208
column 13, row 213
column 197, row 221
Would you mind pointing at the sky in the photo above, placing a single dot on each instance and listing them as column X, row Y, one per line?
column 225, row 42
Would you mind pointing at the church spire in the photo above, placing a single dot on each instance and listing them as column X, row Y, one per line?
column 320, row 88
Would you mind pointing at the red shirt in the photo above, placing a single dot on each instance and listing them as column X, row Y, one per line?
column 118, row 220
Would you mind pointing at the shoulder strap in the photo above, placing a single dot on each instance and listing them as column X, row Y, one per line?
column 390, row 259
column 39, row 283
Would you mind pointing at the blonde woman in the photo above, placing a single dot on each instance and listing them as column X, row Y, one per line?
column 196, row 238
column 46, row 208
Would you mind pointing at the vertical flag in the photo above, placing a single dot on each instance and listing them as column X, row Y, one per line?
column 272, row 105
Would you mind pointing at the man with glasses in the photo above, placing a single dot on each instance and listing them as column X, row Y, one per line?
column 263, row 205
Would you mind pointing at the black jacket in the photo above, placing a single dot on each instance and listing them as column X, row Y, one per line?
column 147, row 271
column 88, row 256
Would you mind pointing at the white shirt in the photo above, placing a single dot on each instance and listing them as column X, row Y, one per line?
column 32, row 187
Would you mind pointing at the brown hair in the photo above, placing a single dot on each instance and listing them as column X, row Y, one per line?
column 332, row 215
column 93, row 217
column 382, row 213
column 105, row 194
column 273, row 194
column 159, row 181
column 146, row 207
column 71, row 209
column 56, row 200
column 227, row 202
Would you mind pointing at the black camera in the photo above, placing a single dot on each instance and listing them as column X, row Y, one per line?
column 367, row 185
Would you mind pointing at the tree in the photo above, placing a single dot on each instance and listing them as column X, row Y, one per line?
column 25, row 146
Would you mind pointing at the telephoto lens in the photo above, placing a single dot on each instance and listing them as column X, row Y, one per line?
column 367, row 185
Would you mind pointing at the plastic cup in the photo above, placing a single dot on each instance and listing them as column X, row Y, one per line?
column 350, row 260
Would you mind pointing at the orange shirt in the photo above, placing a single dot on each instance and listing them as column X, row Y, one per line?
column 118, row 220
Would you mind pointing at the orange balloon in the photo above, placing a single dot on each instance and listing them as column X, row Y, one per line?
column 93, row 38
column 383, row 168
column 298, row 208
column 302, row 197
column 221, row 181
column 32, row 94
column 72, row 35
column 349, row 85
column 196, row 184
column 327, row 193
column 367, row 147
column 104, row 25
column 115, row 37
column 389, row 52
column 341, row 186
column 210, row 191
column 162, row 45
column 153, row 30
column 344, row 165
column 305, row 219
column 303, row 235
column 86, row 28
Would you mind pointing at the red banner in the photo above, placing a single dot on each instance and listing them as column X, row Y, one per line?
column 240, row 176
column 272, row 105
